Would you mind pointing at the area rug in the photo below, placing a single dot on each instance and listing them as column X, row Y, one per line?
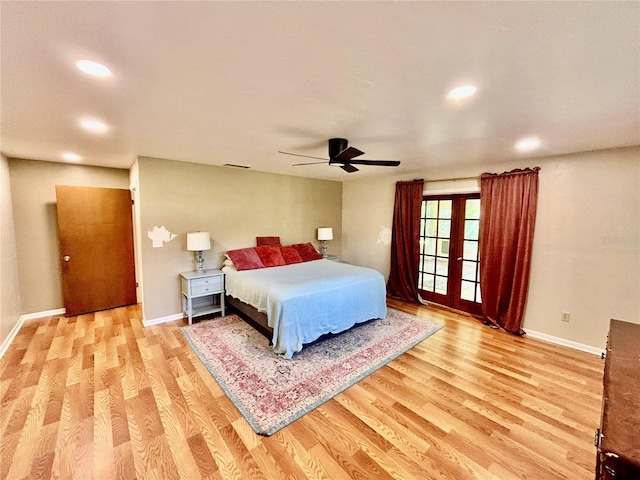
column 272, row 392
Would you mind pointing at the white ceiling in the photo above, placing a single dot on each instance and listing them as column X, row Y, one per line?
column 234, row 82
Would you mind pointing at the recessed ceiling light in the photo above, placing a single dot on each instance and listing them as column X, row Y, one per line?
column 527, row 144
column 93, row 125
column 459, row 93
column 71, row 157
column 93, row 68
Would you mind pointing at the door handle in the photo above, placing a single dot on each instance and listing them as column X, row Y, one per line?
column 459, row 258
column 66, row 258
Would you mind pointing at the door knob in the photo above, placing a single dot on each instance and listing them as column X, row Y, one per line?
column 66, row 258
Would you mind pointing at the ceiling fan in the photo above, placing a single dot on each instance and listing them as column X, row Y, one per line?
column 343, row 155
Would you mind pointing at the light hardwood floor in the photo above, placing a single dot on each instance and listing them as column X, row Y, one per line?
column 101, row 397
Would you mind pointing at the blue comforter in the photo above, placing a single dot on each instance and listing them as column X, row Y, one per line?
column 306, row 300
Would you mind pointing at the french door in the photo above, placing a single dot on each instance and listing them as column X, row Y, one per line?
column 449, row 267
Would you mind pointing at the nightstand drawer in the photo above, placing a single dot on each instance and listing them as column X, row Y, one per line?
column 206, row 285
column 205, row 289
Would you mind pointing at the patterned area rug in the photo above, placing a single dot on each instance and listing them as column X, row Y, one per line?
column 272, row 392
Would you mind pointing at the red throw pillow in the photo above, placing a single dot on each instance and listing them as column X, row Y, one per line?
column 307, row 251
column 290, row 255
column 261, row 241
column 245, row 259
column 270, row 256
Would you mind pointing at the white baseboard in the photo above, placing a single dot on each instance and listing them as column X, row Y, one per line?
column 12, row 334
column 46, row 313
column 565, row 343
column 159, row 320
column 18, row 325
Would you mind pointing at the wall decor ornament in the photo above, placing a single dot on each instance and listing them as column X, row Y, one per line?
column 159, row 236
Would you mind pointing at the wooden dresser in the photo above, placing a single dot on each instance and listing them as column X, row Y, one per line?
column 618, row 438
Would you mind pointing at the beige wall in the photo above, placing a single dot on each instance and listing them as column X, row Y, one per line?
column 586, row 249
column 34, row 209
column 234, row 205
column 10, row 301
column 586, row 256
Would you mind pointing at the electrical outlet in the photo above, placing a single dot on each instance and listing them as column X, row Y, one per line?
column 565, row 317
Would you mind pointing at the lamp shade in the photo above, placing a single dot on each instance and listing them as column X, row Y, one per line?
column 198, row 241
column 325, row 233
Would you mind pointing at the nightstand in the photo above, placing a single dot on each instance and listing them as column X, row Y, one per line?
column 333, row 258
column 202, row 293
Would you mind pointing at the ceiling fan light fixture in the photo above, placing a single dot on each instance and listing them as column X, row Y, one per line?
column 337, row 146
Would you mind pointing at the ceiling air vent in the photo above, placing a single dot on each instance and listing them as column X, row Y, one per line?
column 234, row 165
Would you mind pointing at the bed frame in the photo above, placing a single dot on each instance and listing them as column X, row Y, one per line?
column 253, row 317
column 259, row 320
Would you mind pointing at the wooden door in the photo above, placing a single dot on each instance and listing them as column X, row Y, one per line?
column 95, row 232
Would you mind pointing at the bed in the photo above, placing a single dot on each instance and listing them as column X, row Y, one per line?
column 296, row 304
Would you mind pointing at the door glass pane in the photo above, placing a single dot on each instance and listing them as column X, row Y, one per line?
column 441, row 285
column 430, row 246
column 444, row 228
column 472, row 208
column 471, row 228
column 469, row 271
column 467, row 290
column 445, row 208
column 443, row 247
column 430, row 228
column 429, row 264
column 428, row 282
column 432, row 209
column 442, row 266
column 470, row 250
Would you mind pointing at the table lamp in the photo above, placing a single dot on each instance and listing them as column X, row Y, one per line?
column 198, row 242
column 324, row 234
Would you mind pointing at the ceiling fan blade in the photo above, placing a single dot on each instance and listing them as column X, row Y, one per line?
column 298, row 155
column 380, row 163
column 347, row 167
column 348, row 153
column 310, row 163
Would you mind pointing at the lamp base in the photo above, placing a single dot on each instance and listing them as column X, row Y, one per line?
column 323, row 249
column 199, row 261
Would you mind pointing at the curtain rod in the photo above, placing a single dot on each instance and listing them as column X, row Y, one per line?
column 517, row 170
column 452, row 179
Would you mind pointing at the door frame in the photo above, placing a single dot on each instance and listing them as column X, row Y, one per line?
column 456, row 244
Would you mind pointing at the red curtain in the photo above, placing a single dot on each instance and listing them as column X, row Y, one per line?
column 405, row 241
column 507, row 221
